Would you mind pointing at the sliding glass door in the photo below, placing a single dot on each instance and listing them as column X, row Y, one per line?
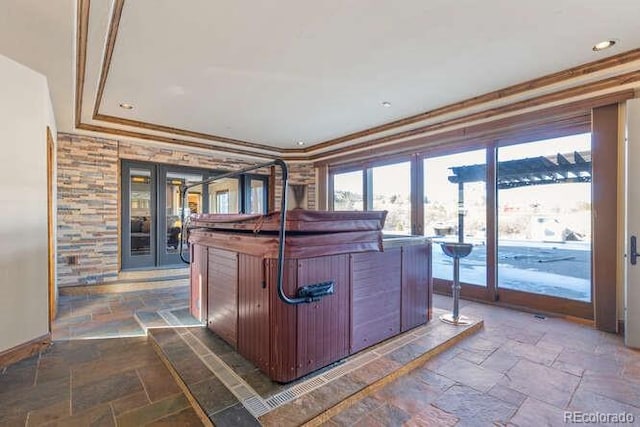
column 455, row 209
column 526, row 208
column 544, row 218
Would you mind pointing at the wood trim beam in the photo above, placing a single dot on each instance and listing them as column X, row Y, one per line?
column 467, row 139
column 108, row 52
column 539, row 308
column 182, row 132
column 537, row 102
column 168, row 140
column 22, row 351
column 112, row 37
column 545, row 303
column 311, row 153
column 81, row 56
column 518, row 128
column 580, row 70
column 604, row 157
column 474, row 292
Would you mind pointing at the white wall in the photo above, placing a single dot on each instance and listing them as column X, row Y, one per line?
column 25, row 113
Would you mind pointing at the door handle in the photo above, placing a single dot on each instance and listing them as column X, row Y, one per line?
column 633, row 254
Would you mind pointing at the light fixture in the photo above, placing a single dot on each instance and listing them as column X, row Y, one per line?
column 386, row 104
column 126, row 106
column 300, row 143
column 606, row 44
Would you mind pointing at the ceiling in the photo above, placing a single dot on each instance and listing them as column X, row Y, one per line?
column 255, row 77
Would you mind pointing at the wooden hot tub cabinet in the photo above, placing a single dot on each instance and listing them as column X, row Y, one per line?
column 378, row 294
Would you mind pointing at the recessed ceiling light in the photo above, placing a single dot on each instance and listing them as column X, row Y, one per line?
column 126, row 106
column 386, row 104
column 606, row 44
column 301, row 143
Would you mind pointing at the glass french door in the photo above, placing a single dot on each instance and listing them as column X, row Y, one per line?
column 151, row 207
column 139, row 228
column 169, row 223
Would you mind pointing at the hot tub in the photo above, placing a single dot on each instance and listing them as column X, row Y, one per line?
column 381, row 287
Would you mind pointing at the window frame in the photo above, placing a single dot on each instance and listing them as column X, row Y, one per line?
column 366, row 168
column 514, row 136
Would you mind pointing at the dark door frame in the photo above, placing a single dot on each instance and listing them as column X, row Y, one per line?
column 138, row 261
column 158, row 258
column 162, row 257
column 492, row 292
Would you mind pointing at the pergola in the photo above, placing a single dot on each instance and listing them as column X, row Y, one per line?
column 558, row 169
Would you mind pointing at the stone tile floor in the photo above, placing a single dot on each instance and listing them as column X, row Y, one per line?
column 101, row 370
column 232, row 391
column 105, row 382
column 112, row 315
column 518, row 370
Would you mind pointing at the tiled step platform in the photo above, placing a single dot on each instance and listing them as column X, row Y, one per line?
column 153, row 274
column 231, row 391
column 133, row 281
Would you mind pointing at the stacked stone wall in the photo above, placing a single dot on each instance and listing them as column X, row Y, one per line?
column 89, row 199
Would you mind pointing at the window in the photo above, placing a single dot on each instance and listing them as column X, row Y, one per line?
column 391, row 192
column 140, row 208
column 385, row 187
column 257, row 195
column 347, row 191
column 222, row 201
column 225, row 196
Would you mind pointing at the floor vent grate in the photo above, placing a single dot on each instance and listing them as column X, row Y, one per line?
column 280, row 398
column 243, row 393
column 256, row 406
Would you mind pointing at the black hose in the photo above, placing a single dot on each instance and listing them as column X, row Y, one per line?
column 281, row 231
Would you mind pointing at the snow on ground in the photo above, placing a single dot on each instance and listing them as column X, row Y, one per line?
column 549, row 268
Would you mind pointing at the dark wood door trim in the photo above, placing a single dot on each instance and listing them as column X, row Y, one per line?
column 53, row 291
column 491, row 223
column 604, row 154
